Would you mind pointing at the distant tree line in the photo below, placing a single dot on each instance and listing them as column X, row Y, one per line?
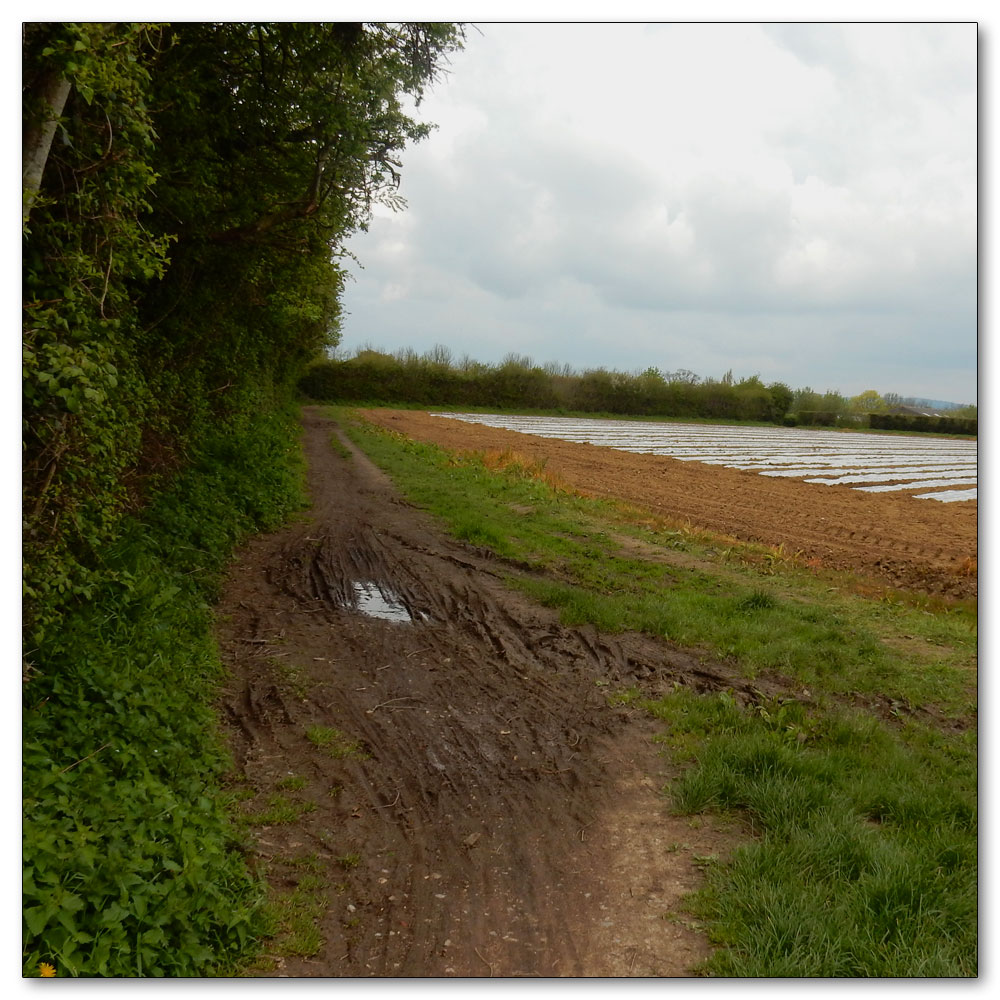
column 923, row 422
column 436, row 378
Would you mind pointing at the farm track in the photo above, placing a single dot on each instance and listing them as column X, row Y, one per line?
column 498, row 817
column 893, row 540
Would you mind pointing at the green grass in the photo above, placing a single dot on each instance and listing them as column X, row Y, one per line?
column 863, row 861
column 861, row 853
column 292, row 918
column 340, row 448
column 278, row 809
column 732, row 602
column 335, row 743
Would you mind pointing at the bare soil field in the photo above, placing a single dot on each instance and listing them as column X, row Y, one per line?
column 895, row 540
column 473, row 803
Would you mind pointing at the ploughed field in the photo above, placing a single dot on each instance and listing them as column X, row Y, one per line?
column 929, row 468
column 867, row 504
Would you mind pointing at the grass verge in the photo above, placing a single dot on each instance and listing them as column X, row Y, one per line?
column 857, row 788
column 131, row 863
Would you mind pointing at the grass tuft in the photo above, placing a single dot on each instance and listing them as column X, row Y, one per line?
column 335, row 743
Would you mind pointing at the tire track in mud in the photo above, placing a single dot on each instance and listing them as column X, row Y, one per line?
column 496, row 808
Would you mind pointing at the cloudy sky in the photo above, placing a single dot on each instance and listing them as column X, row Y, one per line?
column 795, row 201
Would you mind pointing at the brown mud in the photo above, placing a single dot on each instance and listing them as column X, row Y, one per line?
column 893, row 540
column 484, row 810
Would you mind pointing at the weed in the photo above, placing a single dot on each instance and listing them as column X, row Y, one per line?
column 308, row 862
column 292, row 675
column 131, row 865
column 334, row 742
column 278, row 809
column 340, row 448
column 759, row 600
column 293, row 918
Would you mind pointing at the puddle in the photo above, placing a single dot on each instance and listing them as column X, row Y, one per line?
column 377, row 602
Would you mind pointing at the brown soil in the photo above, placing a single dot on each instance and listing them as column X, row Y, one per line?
column 894, row 540
column 497, row 816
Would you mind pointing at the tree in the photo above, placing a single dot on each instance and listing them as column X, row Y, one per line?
column 781, row 400
column 276, row 141
column 684, row 376
column 868, row 401
column 151, row 319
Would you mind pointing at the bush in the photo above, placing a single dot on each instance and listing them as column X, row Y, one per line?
column 817, row 418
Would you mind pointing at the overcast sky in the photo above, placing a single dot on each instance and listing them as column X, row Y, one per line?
column 794, row 201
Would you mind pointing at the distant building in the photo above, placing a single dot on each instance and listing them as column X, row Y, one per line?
column 919, row 411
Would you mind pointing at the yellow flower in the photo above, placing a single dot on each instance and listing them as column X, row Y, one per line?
column 45, row 970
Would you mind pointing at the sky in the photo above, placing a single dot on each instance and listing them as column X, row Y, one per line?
column 794, row 201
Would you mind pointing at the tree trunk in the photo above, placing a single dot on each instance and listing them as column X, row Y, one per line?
column 38, row 134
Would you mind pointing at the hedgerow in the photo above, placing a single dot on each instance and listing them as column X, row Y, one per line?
column 187, row 191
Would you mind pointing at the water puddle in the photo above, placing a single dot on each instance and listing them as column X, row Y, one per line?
column 379, row 602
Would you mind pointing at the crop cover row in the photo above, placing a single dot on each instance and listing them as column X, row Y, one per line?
column 930, row 468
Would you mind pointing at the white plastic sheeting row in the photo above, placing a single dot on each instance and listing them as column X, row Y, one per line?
column 883, row 463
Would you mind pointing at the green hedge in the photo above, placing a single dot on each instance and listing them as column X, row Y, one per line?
column 818, row 418
column 373, row 376
column 924, row 424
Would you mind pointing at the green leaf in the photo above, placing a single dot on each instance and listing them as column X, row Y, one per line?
column 36, row 917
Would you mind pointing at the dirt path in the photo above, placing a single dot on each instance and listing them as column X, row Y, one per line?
column 893, row 539
column 485, row 812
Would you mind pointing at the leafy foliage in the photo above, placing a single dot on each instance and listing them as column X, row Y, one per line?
column 919, row 422
column 129, row 868
column 517, row 382
column 187, row 192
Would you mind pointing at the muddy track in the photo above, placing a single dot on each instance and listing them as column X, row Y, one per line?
column 492, row 815
column 893, row 540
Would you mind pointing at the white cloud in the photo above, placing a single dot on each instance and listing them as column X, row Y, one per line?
column 799, row 199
